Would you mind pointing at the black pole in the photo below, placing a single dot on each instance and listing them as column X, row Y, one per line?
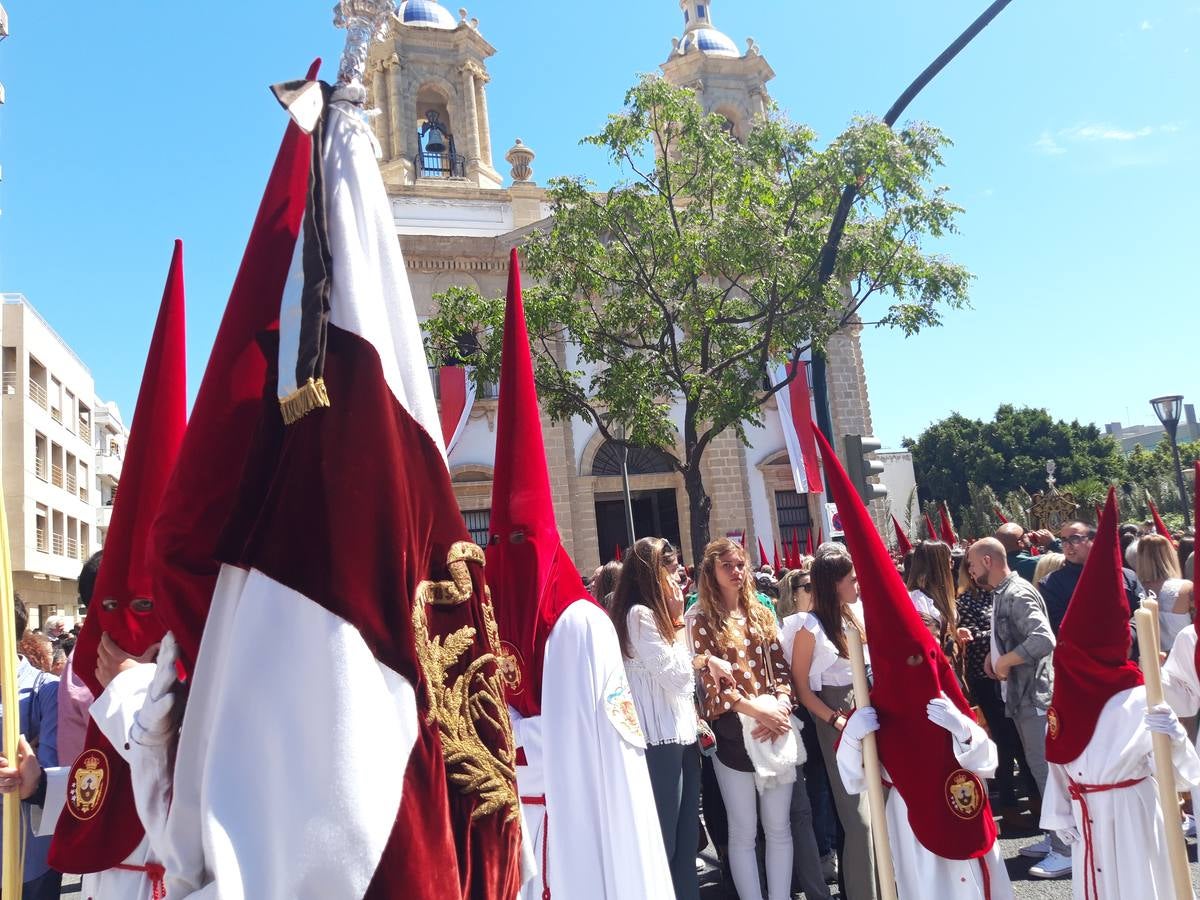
column 1183, row 496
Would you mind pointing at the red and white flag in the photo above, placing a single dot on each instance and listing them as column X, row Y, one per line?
column 456, row 391
column 345, row 733
column 796, row 417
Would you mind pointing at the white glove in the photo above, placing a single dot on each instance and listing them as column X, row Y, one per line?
column 1069, row 836
column 941, row 711
column 863, row 722
column 154, row 724
column 1162, row 719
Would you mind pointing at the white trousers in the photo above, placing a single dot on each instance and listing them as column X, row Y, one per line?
column 742, row 805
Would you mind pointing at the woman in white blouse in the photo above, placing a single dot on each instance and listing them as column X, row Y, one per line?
column 824, row 683
column 647, row 610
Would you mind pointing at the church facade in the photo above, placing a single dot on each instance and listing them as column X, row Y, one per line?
column 457, row 216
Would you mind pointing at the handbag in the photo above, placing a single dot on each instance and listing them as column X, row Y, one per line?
column 775, row 761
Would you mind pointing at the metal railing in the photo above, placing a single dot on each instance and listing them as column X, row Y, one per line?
column 10, row 382
column 56, row 415
column 73, row 548
column 37, row 393
column 39, row 467
column 72, row 484
column 56, row 475
column 41, row 540
column 57, row 544
column 440, row 165
column 85, row 431
column 83, row 494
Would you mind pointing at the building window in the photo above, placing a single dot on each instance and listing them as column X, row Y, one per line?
column 642, row 461
column 791, row 512
column 479, row 522
column 56, row 465
column 42, row 530
column 41, row 452
column 699, row 10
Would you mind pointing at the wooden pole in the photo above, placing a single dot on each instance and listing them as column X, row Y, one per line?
column 1150, row 604
column 870, row 754
column 1164, row 767
column 11, row 857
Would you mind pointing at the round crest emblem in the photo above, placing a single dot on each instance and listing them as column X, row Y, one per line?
column 1052, row 722
column 964, row 794
column 87, row 784
column 509, row 664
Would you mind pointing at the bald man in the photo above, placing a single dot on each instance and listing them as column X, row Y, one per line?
column 1013, row 537
column 1022, row 659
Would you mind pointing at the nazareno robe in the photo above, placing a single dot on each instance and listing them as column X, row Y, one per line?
column 1129, row 849
column 920, row 873
column 598, row 830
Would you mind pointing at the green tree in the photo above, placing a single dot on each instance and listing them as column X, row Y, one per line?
column 1009, row 454
column 680, row 287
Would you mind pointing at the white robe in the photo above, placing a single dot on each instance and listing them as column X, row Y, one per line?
column 1181, row 687
column 113, row 712
column 920, row 874
column 1129, row 848
column 587, row 758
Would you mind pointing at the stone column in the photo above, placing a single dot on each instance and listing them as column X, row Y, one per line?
column 397, row 122
column 472, row 116
column 380, row 95
column 485, row 128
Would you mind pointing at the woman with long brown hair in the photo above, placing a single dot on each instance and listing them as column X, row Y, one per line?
column 728, row 622
column 824, row 682
column 647, row 606
column 930, row 583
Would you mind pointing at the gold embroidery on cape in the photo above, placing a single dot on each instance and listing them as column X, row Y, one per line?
column 475, row 696
column 300, row 402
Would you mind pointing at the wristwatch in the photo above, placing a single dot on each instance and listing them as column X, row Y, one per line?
column 699, row 661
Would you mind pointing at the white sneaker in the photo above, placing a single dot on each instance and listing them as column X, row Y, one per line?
column 1037, row 850
column 1055, row 865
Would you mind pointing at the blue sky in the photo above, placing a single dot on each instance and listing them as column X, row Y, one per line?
column 1075, row 125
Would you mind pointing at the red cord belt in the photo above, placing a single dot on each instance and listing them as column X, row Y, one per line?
column 1079, row 793
column 154, row 872
column 540, row 800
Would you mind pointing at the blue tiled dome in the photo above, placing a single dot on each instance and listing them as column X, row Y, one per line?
column 426, row 13
column 710, row 41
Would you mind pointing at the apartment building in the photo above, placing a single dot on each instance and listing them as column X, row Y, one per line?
column 62, row 452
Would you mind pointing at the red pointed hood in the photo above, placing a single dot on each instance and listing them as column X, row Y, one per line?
column 933, row 535
column 778, row 561
column 93, row 839
column 795, row 560
column 1196, row 494
column 1159, row 525
column 762, row 554
column 947, row 534
column 903, row 544
column 1091, row 658
column 808, row 543
column 909, row 670
column 531, row 577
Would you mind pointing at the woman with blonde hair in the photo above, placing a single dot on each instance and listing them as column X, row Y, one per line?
column 794, row 590
column 824, row 683
column 1047, row 563
column 1158, row 571
column 728, row 622
column 647, row 610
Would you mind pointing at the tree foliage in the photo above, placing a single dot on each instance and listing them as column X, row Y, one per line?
column 958, row 458
column 659, row 305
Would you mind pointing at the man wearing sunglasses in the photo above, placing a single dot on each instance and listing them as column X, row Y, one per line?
column 1058, row 586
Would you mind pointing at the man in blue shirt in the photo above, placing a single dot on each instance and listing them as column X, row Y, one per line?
column 1057, row 587
column 38, row 706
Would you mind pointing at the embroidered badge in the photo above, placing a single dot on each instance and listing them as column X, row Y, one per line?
column 87, row 785
column 618, row 705
column 1052, row 722
column 964, row 794
column 509, row 663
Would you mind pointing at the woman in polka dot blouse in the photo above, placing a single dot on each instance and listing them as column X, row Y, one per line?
column 730, row 623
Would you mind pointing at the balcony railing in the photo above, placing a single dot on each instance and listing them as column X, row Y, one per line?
column 41, row 540
column 56, row 476
column 10, row 383
column 85, row 431
column 37, row 393
column 440, row 165
column 72, row 484
column 83, row 494
column 57, row 545
column 56, row 415
column 73, row 548
column 39, row 467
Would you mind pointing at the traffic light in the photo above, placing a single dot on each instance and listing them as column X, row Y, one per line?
column 861, row 469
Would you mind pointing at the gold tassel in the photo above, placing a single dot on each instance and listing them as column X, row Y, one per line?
column 296, row 405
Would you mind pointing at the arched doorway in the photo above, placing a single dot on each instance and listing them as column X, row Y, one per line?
column 655, row 505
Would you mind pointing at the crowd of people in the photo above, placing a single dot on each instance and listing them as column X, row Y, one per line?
column 742, row 681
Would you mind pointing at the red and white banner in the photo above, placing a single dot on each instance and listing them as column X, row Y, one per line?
column 796, row 416
column 456, row 390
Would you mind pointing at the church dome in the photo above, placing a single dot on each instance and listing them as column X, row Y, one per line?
column 427, row 14
column 709, row 41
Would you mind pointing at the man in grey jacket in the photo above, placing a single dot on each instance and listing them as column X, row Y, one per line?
column 1022, row 659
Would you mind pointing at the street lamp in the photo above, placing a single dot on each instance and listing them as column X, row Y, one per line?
column 1168, row 410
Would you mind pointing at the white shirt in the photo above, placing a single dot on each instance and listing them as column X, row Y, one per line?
column 827, row 668
column 925, row 605
column 661, row 681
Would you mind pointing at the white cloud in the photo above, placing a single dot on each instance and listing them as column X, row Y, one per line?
column 1048, row 145
column 1145, row 26
column 1097, row 132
